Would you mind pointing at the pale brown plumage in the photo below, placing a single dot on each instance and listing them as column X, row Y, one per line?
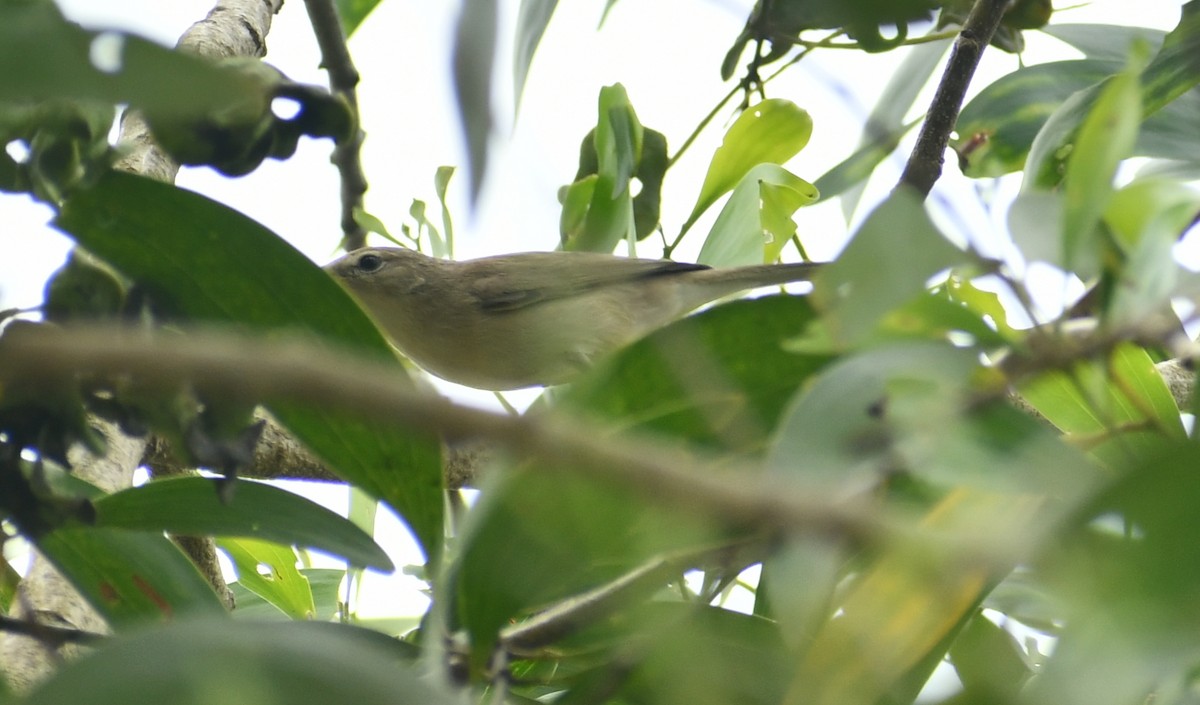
column 535, row 318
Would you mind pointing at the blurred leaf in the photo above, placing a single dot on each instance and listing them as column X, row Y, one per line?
column 885, row 125
column 84, row 288
column 915, row 407
column 474, row 54
column 983, row 303
column 354, row 12
column 1126, row 577
column 532, row 19
column 1174, row 71
column 146, row 75
column 130, row 577
column 988, row 660
column 937, row 316
column 1024, row 596
column 756, row 222
column 772, row 131
column 895, row 251
column 269, row 570
column 905, row 610
column 675, row 652
column 781, row 23
column 720, row 377
column 536, row 537
column 1107, row 42
column 190, row 506
column 1148, row 217
column 797, row 587
column 1035, row 221
column 210, row 263
column 196, row 662
column 1105, row 138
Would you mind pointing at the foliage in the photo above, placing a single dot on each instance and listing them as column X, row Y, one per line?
column 815, row 498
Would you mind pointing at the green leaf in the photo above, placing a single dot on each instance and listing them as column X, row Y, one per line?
column 206, row 262
column 988, row 660
column 269, row 571
column 1122, row 579
column 190, row 506
column 441, row 184
column 1147, row 216
column 719, row 378
column 1174, row 71
column 532, row 19
column 1107, row 42
column 1115, row 408
column 886, row 264
column 1105, row 138
column 618, row 138
column 130, row 577
column 850, row 174
column 201, row 662
column 474, row 55
column 914, row 405
column 536, row 537
column 612, row 154
column 756, row 222
column 772, row 131
column 354, row 12
column 325, row 584
column 671, row 652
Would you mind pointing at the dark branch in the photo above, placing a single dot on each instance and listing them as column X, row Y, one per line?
column 925, row 163
column 343, row 80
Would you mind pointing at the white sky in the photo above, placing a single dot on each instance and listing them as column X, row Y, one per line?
column 669, row 66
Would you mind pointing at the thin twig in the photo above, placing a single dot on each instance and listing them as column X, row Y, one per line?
column 343, row 80
column 53, row 637
column 924, row 165
column 585, row 609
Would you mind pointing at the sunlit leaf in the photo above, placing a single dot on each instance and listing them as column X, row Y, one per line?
column 772, row 131
column 269, row 570
column 756, row 222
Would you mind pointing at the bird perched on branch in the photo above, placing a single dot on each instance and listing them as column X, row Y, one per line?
column 535, row 318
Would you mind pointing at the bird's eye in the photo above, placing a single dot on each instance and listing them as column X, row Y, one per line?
column 370, row 263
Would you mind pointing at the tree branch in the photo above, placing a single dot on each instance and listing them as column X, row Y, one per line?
column 924, row 165
column 300, row 372
column 343, row 80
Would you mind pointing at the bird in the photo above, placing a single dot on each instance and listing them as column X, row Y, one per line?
column 532, row 318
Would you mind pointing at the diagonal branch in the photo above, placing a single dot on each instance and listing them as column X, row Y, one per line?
column 924, row 165
column 343, row 80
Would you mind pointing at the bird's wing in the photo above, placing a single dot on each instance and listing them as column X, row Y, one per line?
column 549, row 276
